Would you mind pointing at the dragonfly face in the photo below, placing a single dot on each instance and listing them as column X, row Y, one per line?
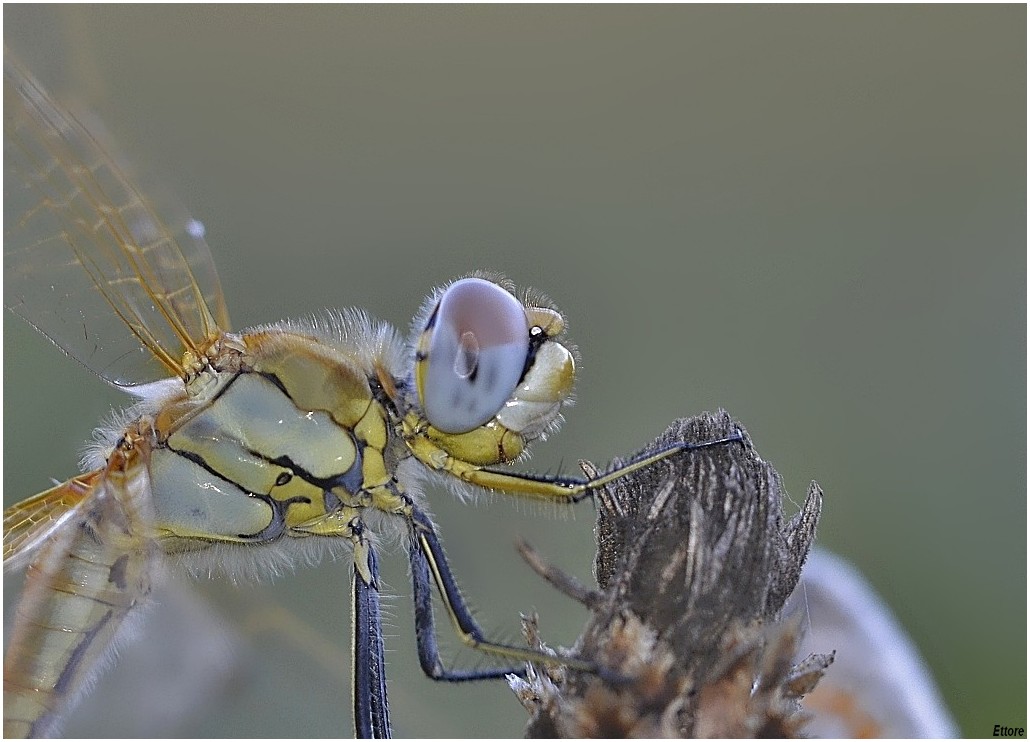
column 278, row 441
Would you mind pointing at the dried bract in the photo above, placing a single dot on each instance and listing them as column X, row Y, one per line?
column 694, row 564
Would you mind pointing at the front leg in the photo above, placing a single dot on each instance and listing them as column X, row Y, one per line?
column 429, row 565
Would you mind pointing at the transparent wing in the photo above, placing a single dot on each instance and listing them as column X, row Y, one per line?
column 29, row 523
column 92, row 569
column 88, row 260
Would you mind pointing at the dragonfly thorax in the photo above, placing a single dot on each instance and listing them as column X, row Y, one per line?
column 273, row 448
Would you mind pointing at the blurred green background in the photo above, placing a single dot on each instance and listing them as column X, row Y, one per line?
column 813, row 217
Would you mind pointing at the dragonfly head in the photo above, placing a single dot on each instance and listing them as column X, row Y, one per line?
column 491, row 371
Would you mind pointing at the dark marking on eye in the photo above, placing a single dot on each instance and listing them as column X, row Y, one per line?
column 431, row 322
column 471, row 359
column 537, row 337
column 491, row 376
column 283, row 478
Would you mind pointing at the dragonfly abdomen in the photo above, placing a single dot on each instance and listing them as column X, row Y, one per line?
column 84, row 581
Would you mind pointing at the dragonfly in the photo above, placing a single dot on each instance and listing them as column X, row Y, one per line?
column 249, row 451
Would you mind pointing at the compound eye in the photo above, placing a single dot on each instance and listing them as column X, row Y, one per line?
column 473, row 355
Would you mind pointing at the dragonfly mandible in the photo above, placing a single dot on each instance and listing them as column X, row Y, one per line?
column 246, row 451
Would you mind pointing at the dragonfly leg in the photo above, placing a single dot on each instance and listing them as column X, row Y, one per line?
column 429, row 566
column 371, row 705
column 558, row 489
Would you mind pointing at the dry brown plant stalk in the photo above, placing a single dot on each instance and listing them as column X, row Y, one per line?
column 694, row 564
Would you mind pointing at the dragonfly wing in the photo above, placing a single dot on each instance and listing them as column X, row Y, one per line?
column 92, row 571
column 122, row 286
column 29, row 523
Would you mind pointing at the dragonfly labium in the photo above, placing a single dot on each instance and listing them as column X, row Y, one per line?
column 247, row 450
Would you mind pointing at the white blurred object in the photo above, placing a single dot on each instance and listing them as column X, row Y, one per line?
column 196, row 229
column 878, row 685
